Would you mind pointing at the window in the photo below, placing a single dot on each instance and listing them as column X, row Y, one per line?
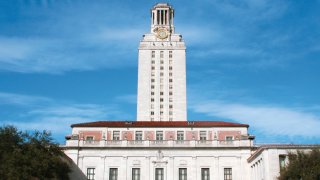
column 205, row 174
column 282, row 161
column 152, row 86
column 170, row 80
column 161, row 74
column 227, row 174
column 89, row 139
column 180, row 135
column 161, row 106
column 138, row 135
column 161, row 62
column 161, row 87
column 170, row 118
column 170, row 74
column 152, row 93
column 170, row 99
column 170, row 93
column 182, row 173
column 159, row 135
column 161, row 54
column 170, row 67
column 161, row 80
column 153, row 54
column 170, row 62
column 170, row 106
column 161, row 113
column 116, row 135
column 159, row 174
column 203, row 135
column 113, row 174
column 229, row 138
column 170, row 54
column 170, row 113
column 161, row 99
column 90, row 173
column 135, row 173
column 153, row 62
column 152, row 74
column 152, row 80
column 161, row 67
column 152, row 99
column 170, row 86
column 152, row 113
column 152, row 68
column 152, row 106
column 161, row 93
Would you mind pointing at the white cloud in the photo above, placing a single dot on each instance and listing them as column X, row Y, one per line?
column 23, row 100
column 270, row 120
column 43, row 113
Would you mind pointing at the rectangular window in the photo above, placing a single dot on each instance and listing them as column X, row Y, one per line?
column 170, row 67
column 161, row 93
column 138, row 135
column 152, row 74
column 152, row 93
column 152, row 67
column 159, row 135
column 161, row 74
column 170, row 100
column 170, row 80
column 170, row 74
column 170, row 106
column 153, row 62
column 159, row 174
column 152, row 80
column 182, row 173
column 135, row 173
column 227, row 174
column 152, row 99
column 170, row 54
column 203, row 135
column 229, row 138
column 90, row 173
column 170, row 93
column 161, row 67
column 170, row 113
column 205, row 174
column 116, row 135
column 152, row 86
column 282, row 161
column 153, row 54
column 113, row 174
column 152, row 113
column 161, row 54
column 89, row 139
column 170, row 62
column 161, row 99
column 161, row 62
column 180, row 135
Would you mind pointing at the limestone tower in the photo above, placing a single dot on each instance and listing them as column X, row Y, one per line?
column 162, row 70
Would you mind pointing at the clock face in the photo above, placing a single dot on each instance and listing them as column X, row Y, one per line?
column 162, row 33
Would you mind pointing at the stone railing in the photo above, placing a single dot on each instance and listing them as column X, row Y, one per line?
column 154, row 143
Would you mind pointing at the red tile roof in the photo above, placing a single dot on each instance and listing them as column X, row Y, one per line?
column 159, row 124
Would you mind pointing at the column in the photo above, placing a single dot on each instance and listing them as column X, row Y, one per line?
column 194, row 168
column 147, row 165
column 215, row 174
column 123, row 173
column 171, row 168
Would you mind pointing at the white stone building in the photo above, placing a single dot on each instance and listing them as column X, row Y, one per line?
column 162, row 144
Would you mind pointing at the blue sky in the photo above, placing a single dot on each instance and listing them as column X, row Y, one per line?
column 248, row 61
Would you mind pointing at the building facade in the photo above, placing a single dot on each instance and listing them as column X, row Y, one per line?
column 162, row 144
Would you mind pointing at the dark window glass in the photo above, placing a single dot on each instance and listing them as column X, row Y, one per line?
column 90, row 173
column 205, row 174
column 227, row 174
column 182, row 173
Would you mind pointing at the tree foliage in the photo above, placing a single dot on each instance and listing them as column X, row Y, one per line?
column 302, row 165
column 30, row 156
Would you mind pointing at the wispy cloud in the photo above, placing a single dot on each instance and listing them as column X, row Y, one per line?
column 44, row 113
column 268, row 119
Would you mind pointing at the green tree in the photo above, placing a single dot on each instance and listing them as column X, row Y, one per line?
column 30, row 156
column 302, row 165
